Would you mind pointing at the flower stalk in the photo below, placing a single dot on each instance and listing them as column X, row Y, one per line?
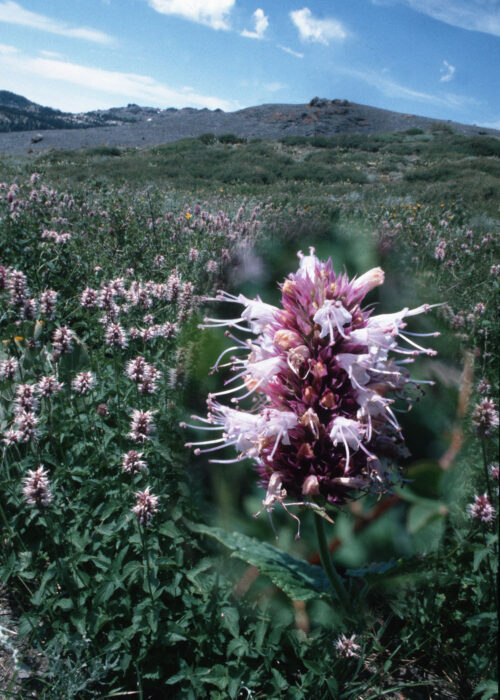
column 328, row 565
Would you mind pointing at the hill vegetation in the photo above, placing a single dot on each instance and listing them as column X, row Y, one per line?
column 199, row 600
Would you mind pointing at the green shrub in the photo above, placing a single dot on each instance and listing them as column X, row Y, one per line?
column 208, row 139
column 231, row 138
column 103, row 151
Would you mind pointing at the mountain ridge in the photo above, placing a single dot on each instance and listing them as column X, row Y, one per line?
column 27, row 126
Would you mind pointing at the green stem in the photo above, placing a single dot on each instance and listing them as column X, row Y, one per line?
column 145, row 554
column 485, row 466
column 328, row 566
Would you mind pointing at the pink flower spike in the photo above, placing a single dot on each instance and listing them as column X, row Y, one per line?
column 145, row 507
column 36, row 488
column 481, row 509
column 320, row 382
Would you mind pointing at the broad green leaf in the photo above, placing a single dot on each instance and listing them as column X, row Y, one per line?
column 421, row 514
column 231, row 620
column 298, row 579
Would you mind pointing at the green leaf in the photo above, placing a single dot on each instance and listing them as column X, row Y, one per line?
column 231, row 620
column 64, row 604
column 238, row 647
column 298, row 579
column 78, row 619
column 421, row 514
column 169, row 530
column 479, row 556
column 489, row 690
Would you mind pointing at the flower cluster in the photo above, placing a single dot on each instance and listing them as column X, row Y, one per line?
column 146, row 506
column 347, row 647
column 143, row 374
column 141, row 425
column 481, row 509
column 36, row 488
column 323, row 386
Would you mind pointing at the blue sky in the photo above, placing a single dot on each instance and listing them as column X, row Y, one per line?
column 437, row 58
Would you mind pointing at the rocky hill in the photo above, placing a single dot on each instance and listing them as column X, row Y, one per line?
column 27, row 126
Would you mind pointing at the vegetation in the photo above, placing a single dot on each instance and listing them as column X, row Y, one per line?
column 166, row 600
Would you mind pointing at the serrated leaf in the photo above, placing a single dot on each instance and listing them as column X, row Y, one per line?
column 298, row 579
column 169, row 530
column 238, row 647
column 479, row 556
column 231, row 620
column 488, row 689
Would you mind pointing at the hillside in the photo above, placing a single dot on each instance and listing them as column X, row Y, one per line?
column 29, row 127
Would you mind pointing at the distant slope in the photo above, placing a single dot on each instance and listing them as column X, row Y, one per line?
column 20, row 114
column 135, row 126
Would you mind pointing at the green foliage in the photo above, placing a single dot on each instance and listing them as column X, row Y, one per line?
column 173, row 609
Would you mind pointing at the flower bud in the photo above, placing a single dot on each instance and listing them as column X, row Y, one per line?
column 286, row 339
column 305, row 450
column 310, row 487
column 298, row 357
column 328, row 400
column 371, row 279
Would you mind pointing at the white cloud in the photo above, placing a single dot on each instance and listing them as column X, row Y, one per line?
column 297, row 54
column 447, row 71
column 275, row 87
column 91, row 88
column 475, row 15
column 12, row 13
column 213, row 13
column 7, row 50
column 261, row 24
column 491, row 125
column 391, row 88
column 317, row 30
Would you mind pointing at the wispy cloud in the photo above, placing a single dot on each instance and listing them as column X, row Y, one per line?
column 391, row 88
column 297, row 54
column 213, row 13
column 317, row 30
column 447, row 72
column 13, row 13
column 275, row 87
column 261, row 24
column 475, row 15
column 491, row 125
column 127, row 87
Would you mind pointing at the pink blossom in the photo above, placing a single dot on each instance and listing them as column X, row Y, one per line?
column 83, row 383
column 318, row 370
column 481, row 509
column 145, row 507
column 36, row 488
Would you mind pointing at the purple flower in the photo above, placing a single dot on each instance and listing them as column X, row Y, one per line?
column 49, row 386
column 116, row 336
column 132, row 462
column 145, row 507
column 8, row 368
column 83, row 383
column 481, row 509
column 485, row 418
column 48, row 300
column 323, row 385
column 141, row 425
column 347, row 647
column 36, row 488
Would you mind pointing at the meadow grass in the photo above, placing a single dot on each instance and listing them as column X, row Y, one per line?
column 164, row 600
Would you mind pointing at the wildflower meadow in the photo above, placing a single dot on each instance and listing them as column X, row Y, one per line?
column 248, row 425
